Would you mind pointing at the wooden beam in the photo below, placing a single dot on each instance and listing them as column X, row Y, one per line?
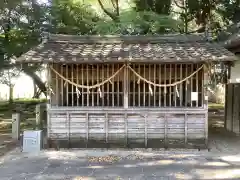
column 154, row 88
column 108, row 93
column 78, row 95
column 62, row 86
column 126, row 87
column 56, row 88
column 118, row 88
column 98, row 93
column 181, row 87
column 103, row 78
column 134, row 87
column 72, row 69
column 113, row 83
column 92, row 83
column 83, row 92
column 191, row 85
column 144, row 89
column 49, row 80
column 88, row 93
column 139, row 87
column 205, row 71
column 160, row 81
column 170, row 88
column 165, row 82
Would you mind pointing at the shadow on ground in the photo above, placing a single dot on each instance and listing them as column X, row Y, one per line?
column 119, row 164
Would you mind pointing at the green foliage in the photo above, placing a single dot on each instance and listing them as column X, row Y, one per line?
column 159, row 7
column 68, row 17
column 133, row 23
column 8, row 76
column 229, row 10
column 20, row 29
column 21, row 22
column 215, row 106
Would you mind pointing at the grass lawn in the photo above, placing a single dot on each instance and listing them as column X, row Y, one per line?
column 25, row 106
column 215, row 106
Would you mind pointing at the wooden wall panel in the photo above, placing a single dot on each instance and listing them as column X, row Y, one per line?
column 232, row 117
column 127, row 127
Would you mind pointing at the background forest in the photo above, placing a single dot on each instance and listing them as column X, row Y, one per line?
column 22, row 23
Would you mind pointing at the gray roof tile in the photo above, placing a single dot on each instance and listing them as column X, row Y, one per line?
column 94, row 49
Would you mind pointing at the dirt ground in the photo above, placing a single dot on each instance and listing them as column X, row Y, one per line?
column 222, row 162
column 6, row 143
column 139, row 164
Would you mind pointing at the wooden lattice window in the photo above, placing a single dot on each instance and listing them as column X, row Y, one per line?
column 139, row 92
column 143, row 94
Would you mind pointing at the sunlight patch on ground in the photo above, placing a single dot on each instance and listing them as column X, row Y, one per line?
column 83, row 178
column 218, row 173
column 187, row 162
column 160, row 162
column 60, row 155
column 219, row 164
column 235, row 158
column 96, row 167
column 129, row 165
column 183, row 176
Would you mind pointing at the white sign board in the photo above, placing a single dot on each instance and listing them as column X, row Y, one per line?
column 194, row 96
column 32, row 141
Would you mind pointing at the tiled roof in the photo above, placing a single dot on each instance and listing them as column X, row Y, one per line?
column 98, row 49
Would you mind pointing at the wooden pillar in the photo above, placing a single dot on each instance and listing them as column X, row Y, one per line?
column 41, row 121
column 205, row 79
column 40, row 116
column 228, row 101
column 226, row 107
column 229, row 105
column 49, row 82
column 16, row 126
column 235, row 114
column 125, row 87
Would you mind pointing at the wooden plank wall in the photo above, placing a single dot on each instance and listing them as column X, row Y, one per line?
column 121, row 126
column 232, row 121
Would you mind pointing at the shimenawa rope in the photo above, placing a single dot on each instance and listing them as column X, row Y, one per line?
column 138, row 75
column 164, row 85
column 87, row 87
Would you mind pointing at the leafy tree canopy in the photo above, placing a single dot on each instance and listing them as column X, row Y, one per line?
column 134, row 23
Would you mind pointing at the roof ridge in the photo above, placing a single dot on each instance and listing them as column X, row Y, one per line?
column 89, row 39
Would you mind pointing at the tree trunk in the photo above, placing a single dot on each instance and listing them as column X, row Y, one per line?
column 10, row 99
column 34, row 89
column 36, row 79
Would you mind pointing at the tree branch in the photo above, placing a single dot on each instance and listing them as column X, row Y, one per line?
column 175, row 2
column 117, row 8
column 176, row 12
column 111, row 15
column 114, row 5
